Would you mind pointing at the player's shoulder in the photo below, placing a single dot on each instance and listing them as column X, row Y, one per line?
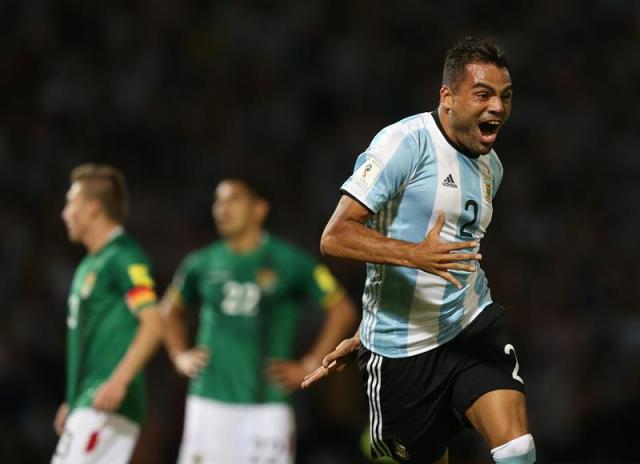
column 205, row 253
column 124, row 256
column 414, row 122
column 281, row 245
column 412, row 134
column 127, row 248
column 406, row 126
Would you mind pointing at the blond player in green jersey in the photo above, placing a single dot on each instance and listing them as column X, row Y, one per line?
column 113, row 326
column 251, row 288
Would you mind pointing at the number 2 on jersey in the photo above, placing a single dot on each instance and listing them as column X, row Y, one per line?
column 469, row 204
column 507, row 350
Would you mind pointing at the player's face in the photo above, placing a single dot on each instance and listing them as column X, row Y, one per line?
column 478, row 105
column 235, row 210
column 78, row 212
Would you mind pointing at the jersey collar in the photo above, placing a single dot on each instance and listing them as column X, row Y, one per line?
column 264, row 239
column 115, row 233
column 458, row 148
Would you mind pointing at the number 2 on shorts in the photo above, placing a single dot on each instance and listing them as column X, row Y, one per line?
column 507, row 350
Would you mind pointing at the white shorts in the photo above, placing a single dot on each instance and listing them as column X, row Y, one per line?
column 96, row 437
column 223, row 433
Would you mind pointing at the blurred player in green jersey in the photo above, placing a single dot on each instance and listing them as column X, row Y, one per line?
column 113, row 326
column 251, row 287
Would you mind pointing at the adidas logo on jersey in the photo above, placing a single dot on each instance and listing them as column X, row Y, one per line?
column 449, row 182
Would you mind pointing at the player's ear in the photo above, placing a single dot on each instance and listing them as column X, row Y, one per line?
column 262, row 209
column 446, row 98
column 95, row 207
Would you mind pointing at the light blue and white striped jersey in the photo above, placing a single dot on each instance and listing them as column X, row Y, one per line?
column 409, row 173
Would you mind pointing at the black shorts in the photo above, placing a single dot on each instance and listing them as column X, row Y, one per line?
column 417, row 404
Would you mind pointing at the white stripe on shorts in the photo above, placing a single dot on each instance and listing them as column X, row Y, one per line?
column 374, row 383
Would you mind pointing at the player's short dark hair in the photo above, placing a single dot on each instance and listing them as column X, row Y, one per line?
column 106, row 184
column 256, row 186
column 471, row 50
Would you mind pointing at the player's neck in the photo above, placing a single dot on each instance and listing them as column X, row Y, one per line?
column 100, row 234
column 246, row 242
column 442, row 120
column 445, row 126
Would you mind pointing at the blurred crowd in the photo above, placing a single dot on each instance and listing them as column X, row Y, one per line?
column 178, row 94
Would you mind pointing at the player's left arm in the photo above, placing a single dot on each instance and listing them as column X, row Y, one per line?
column 111, row 393
column 340, row 321
column 141, row 300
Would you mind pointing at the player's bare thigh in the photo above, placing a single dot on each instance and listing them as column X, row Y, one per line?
column 499, row 416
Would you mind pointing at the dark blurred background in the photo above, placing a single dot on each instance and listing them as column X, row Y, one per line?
column 176, row 94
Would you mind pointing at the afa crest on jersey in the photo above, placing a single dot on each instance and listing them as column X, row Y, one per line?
column 487, row 190
column 487, row 184
column 87, row 284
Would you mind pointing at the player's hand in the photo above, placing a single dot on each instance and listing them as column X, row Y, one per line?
column 335, row 362
column 61, row 418
column 110, row 395
column 287, row 374
column 191, row 362
column 438, row 258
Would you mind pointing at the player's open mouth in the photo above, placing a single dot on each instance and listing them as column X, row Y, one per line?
column 489, row 131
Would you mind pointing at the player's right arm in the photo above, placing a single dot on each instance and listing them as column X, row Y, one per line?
column 347, row 236
column 188, row 361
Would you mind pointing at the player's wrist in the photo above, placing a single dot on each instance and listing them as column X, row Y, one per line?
column 175, row 355
column 121, row 378
column 412, row 250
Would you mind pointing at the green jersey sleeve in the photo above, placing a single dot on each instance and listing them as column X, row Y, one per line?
column 185, row 282
column 317, row 281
